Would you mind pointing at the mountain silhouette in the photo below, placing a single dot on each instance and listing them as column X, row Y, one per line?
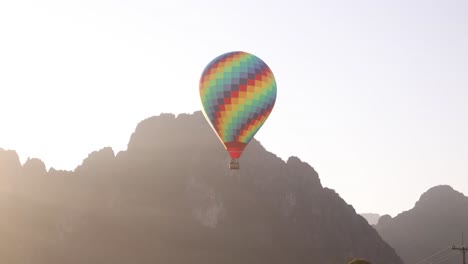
column 170, row 198
column 435, row 223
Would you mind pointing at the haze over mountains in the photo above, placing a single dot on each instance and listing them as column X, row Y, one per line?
column 434, row 224
column 371, row 218
column 169, row 198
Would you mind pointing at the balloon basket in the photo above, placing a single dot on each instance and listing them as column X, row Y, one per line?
column 234, row 164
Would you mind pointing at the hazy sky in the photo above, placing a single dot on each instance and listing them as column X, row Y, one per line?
column 373, row 94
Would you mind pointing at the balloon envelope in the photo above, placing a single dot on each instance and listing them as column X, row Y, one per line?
column 238, row 92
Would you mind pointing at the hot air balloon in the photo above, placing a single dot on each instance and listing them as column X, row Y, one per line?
column 238, row 92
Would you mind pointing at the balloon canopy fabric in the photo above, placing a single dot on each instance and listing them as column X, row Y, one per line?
column 238, row 92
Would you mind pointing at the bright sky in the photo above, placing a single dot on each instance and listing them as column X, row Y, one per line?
column 373, row 94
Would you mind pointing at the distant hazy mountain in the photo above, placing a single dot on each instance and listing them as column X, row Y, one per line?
column 372, row 219
column 435, row 222
column 171, row 199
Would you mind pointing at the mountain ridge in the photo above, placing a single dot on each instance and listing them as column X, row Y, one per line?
column 435, row 222
column 171, row 192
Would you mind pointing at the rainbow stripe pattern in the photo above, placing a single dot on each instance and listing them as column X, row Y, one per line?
column 238, row 92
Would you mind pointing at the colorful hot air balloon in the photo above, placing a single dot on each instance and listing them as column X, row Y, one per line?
column 238, row 92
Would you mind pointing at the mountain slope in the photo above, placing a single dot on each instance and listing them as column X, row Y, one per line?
column 169, row 198
column 435, row 222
